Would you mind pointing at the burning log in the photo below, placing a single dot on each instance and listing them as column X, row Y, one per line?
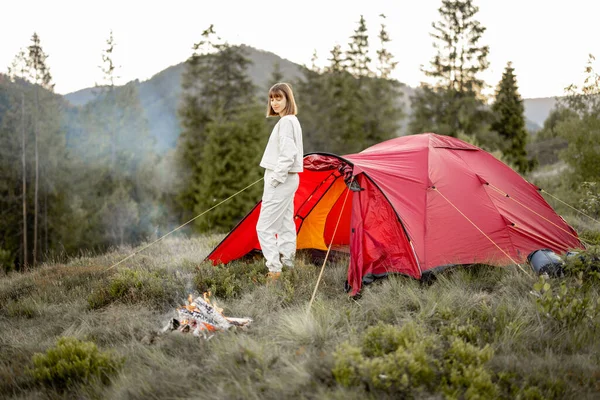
column 201, row 317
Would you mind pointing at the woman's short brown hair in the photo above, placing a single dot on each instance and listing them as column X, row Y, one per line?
column 280, row 90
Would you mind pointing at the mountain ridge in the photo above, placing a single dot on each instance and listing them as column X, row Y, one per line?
column 160, row 95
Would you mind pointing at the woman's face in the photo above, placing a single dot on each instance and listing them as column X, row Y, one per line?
column 278, row 103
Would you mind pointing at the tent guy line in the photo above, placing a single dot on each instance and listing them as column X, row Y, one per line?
column 181, row 226
column 541, row 216
column 568, row 205
column 312, row 298
column 482, row 232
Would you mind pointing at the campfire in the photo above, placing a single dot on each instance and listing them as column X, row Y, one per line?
column 201, row 317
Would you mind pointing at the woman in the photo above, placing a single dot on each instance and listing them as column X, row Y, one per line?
column 282, row 161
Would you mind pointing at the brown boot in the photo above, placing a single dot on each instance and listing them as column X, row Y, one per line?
column 273, row 276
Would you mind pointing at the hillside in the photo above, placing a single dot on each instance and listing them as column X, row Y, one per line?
column 160, row 96
column 475, row 332
column 537, row 110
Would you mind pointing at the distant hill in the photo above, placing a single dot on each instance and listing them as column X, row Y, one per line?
column 537, row 110
column 160, row 96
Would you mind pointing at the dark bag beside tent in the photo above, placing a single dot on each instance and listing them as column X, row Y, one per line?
column 417, row 203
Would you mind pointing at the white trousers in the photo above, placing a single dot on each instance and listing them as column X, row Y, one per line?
column 276, row 228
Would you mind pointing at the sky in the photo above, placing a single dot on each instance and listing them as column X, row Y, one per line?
column 547, row 41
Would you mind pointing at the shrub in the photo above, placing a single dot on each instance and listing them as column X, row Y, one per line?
column 469, row 332
column 569, row 304
column 72, row 362
column 587, row 263
column 228, row 281
column 591, row 201
column 129, row 286
column 408, row 361
column 21, row 308
column 348, row 363
column 464, row 372
column 384, row 339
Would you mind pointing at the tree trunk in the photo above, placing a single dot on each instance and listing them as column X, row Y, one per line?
column 24, row 186
column 35, row 216
column 46, row 222
column 113, row 131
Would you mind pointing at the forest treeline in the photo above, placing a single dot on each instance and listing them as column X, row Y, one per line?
column 90, row 177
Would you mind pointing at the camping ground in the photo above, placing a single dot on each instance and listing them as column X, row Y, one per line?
column 479, row 332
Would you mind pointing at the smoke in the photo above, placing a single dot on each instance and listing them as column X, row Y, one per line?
column 129, row 187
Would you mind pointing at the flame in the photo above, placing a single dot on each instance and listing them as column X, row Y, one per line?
column 209, row 327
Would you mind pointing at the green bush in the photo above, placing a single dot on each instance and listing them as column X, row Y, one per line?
column 384, row 339
column 469, row 332
column 348, row 363
column 21, row 308
column 464, row 372
column 72, row 362
column 135, row 286
column 409, row 362
column 569, row 304
column 587, row 263
column 591, row 201
column 590, row 236
column 229, row 281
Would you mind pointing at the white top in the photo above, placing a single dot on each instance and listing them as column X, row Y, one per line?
column 284, row 152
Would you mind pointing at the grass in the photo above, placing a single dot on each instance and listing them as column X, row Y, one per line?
column 480, row 332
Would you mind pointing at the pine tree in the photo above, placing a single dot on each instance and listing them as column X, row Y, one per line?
column 313, row 62
column 108, row 92
column 347, row 112
column 309, row 92
column 233, row 151
column 460, row 56
column 385, row 59
column 40, row 76
column 336, row 62
column 348, row 88
column 276, row 75
column 194, row 114
column 11, row 237
column 340, row 99
column 217, row 94
column 453, row 103
column 19, row 71
column 35, row 111
column 510, row 120
column 357, row 56
column 382, row 97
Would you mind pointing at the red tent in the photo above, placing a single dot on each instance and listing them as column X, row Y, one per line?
column 417, row 202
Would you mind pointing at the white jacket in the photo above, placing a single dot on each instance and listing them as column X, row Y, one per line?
column 284, row 152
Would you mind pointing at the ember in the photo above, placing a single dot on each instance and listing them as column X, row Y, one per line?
column 201, row 317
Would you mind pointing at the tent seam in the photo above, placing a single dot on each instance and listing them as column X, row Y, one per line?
column 426, row 203
column 399, row 220
column 324, row 193
column 495, row 207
